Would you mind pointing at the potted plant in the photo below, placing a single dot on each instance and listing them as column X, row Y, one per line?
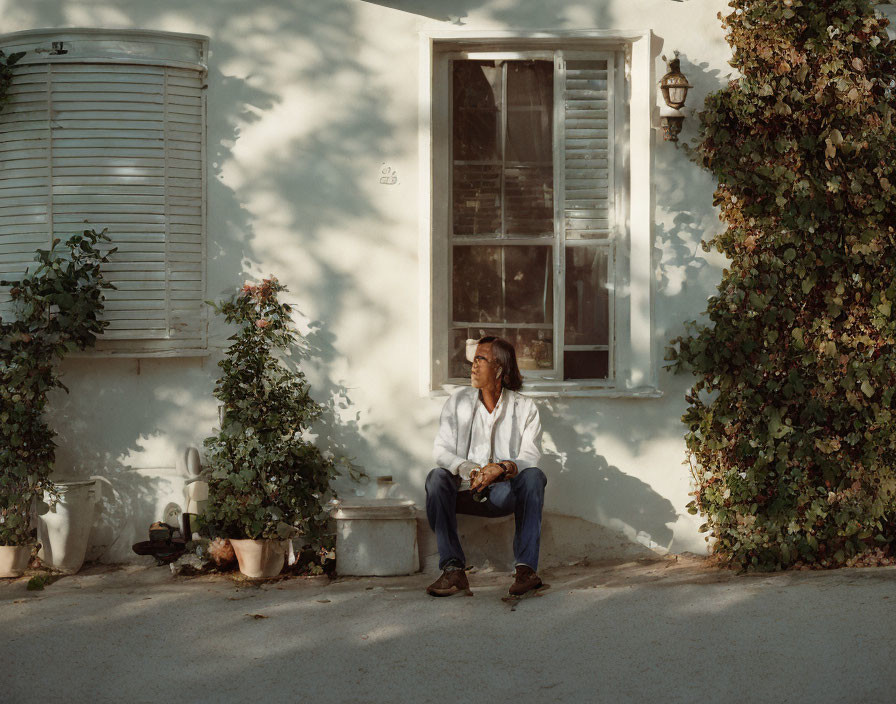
column 267, row 481
column 56, row 310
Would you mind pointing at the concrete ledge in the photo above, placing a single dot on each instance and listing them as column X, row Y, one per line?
column 488, row 542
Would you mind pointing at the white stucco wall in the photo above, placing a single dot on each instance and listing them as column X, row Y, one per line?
column 307, row 102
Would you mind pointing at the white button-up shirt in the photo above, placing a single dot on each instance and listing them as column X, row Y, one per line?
column 482, row 440
column 469, row 436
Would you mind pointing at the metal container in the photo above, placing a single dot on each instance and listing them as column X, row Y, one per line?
column 376, row 537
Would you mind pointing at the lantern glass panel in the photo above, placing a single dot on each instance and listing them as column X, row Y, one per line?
column 677, row 94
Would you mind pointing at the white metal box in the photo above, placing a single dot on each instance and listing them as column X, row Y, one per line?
column 376, row 537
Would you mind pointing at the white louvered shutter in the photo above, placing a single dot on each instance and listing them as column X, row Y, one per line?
column 24, row 175
column 115, row 146
column 588, row 207
column 588, row 130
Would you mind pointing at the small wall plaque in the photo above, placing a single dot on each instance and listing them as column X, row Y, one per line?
column 388, row 176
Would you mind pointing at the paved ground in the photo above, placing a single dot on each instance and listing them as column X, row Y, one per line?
column 666, row 631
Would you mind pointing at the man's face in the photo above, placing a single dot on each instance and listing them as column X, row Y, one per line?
column 484, row 371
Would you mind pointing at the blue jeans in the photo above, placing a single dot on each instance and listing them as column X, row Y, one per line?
column 522, row 495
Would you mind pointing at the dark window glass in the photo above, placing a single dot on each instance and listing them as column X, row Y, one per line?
column 586, row 365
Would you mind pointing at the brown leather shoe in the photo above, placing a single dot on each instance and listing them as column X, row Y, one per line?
column 524, row 580
column 451, row 582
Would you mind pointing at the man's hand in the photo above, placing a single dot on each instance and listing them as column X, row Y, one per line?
column 487, row 476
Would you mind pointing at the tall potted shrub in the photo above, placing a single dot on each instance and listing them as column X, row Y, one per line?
column 57, row 308
column 791, row 423
column 267, row 481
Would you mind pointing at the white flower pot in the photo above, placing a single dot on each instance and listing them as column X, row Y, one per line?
column 260, row 558
column 14, row 560
column 64, row 530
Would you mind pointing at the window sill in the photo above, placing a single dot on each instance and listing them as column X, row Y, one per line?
column 567, row 390
column 92, row 353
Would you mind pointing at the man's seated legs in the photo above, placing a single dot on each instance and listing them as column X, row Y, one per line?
column 522, row 495
column 528, row 486
column 441, row 510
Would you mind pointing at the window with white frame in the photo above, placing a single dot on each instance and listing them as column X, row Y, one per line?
column 106, row 129
column 530, row 210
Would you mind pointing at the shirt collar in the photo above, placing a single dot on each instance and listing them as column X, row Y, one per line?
column 497, row 405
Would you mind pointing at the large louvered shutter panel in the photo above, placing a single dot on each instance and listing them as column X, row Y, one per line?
column 24, row 175
column 118, row 146
column 588, row 129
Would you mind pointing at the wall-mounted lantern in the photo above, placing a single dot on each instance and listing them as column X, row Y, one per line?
column 674, row 86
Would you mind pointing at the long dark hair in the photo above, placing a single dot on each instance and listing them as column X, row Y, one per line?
column 505, row 356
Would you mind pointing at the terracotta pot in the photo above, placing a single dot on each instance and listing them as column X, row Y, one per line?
column 260, row 558
column 14, row 560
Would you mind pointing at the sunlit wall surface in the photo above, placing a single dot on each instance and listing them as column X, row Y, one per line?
column 312, row 161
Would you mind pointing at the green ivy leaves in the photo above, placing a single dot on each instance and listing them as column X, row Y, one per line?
column 790, row 430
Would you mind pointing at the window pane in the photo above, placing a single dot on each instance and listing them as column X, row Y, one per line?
column 493, row 193
column 528, row 200
column 477, row 91
column 530, row 107
column 512, row 284
column 476, row 284
column 529, row 136
column 458, row 366
column 529, row 285
column 586, row 365
column 529, row 186
column 587, row 296
column 477, row 200
column 534, row 348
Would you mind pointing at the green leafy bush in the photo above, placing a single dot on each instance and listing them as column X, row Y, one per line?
column 57, row 308
column 791, row 427
column 266, row 479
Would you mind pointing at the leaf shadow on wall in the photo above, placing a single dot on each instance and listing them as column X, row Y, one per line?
column 313, row 179
column 522, row 13
column 590, row 485
column 105, row 437
column 341, row 429
column 686, row 276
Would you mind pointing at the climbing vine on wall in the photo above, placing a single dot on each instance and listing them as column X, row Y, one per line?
column 791, row 430
column 57, row 305
column 6, row 64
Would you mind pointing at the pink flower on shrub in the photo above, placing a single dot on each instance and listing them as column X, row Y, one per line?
column 262, row 323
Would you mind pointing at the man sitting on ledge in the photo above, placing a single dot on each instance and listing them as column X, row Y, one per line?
column 488, row 445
